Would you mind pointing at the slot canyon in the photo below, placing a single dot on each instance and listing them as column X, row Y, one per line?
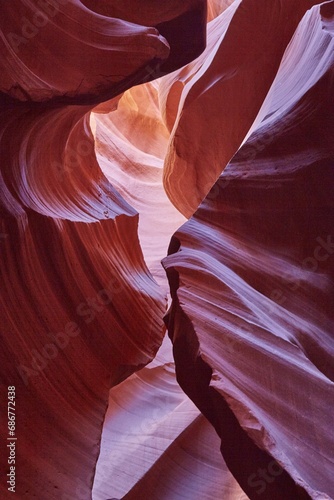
column 167, row 249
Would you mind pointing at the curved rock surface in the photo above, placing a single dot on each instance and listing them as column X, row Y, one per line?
column 251, row 276
column 71, row 266
column 69, row 29
column 80, row 310
column 153, row 430
column 231, row 79
column 131, row 143
column 151, row 427
column 85, row 221
column 36, row 35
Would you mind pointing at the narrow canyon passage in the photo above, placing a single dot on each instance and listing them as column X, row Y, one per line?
column 167, row 249
column 152, row 430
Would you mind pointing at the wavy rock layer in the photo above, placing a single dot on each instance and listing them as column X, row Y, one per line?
column 71, row 267
column 251, row 276
column 131, row 142
column 37, row 34
column 245, row 41
column 153, row 430
column 154, row 444
column 80, row 311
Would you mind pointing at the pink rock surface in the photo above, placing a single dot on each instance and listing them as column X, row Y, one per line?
column 131, row 143
column 251, row 276
column 155, row 432
column 80, row 311
column 151, row 428
column 231, row 79
column 70, row 29
column 99, row 166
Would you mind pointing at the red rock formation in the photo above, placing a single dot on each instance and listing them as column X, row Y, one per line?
column 251, row 273
column 80, row 311
column 71, row 267
column 131, row 143
column 150, row 421
column 252, row 280
column 155, row 432
column 231, row 79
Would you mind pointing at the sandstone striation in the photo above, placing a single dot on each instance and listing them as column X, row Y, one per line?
column 80, row 311
column 119, row 127
column 251, row 276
